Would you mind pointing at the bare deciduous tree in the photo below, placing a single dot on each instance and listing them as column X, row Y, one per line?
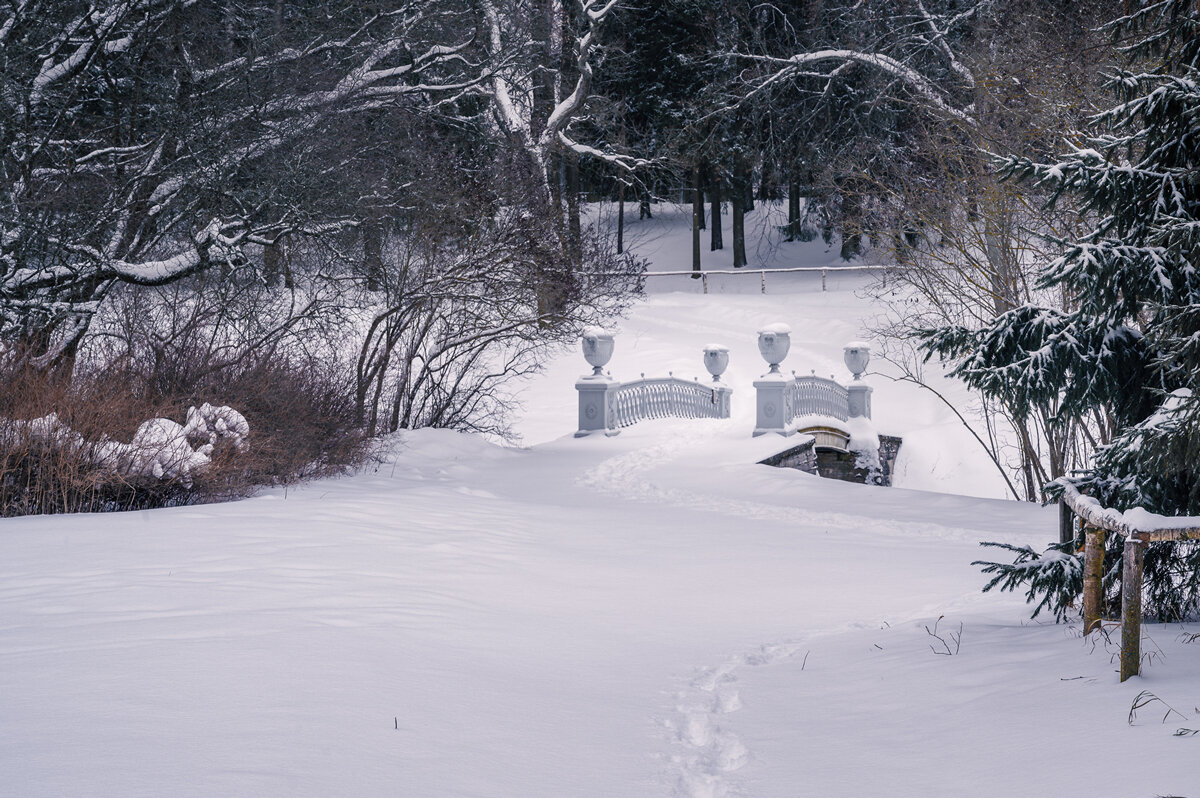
column 968, row 82
column 137, row 134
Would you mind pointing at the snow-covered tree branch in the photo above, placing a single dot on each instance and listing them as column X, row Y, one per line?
column 535, row 101
column 137, row 135
column 915, row 56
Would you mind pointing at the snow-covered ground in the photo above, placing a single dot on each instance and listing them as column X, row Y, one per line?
column 646, row 615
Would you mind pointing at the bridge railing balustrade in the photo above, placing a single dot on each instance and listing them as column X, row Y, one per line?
column 606, row 405
column 782, row 402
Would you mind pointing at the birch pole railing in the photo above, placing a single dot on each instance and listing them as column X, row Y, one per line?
column 1098, row 522
column 760, row 273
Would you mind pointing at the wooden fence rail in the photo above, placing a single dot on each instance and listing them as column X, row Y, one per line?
column 761, row 273
column 1098, row 521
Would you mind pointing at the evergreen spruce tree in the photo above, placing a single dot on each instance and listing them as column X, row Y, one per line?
column 1128, row 354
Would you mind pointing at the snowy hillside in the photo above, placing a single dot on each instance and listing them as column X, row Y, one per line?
column 646, row 615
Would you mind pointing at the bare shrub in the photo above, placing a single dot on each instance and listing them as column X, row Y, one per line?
column 458, row 317
column 221, row 339
column 43, row 476
column 301, row 420
column 301, row 424
column 229, row 340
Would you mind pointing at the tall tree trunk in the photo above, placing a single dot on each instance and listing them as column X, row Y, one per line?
column 574, row 226
column 738, row 208
column 766, row 185
column 997, row 236
column 229, row 39
column 275, row 264
column 697, row 220
column 620, row 218
column 644, row 204
column 698, row 179
column 556, row 166
column 372, row 237
column 714, row 196
column 851, row 219
column 793, row 223
column 900, row 248
column 621, row 183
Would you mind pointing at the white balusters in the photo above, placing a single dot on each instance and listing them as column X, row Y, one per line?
column 782, row 401
column 668, row 397
column 653, row 398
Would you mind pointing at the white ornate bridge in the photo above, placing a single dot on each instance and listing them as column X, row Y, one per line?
column 841, row 442
column 785, row 405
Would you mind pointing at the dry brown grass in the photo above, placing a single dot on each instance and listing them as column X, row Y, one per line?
column 301, row 425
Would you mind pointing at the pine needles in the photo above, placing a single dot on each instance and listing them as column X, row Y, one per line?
column 1053, row 578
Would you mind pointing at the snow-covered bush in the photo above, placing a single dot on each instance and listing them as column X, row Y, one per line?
column 161, row 449
column 119, row 434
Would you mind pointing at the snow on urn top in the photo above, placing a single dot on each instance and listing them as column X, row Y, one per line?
column 774, row 341
column 716, row 360
column 598, row 346
column 857, row 355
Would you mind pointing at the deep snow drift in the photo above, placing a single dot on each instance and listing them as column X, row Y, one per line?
column 646, row 615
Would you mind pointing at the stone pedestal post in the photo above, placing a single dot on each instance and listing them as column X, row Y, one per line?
column 722, row 398
column 859, row 395
column 770, row 415
column 595, row 411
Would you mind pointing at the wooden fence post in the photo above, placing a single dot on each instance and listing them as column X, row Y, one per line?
column 1091, row 516
column 1093, row 572
column 1131, row 607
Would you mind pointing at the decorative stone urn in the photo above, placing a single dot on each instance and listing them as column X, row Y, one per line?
column 716, row 360
column 597, row 348
column 857, row 355
column 774, row 341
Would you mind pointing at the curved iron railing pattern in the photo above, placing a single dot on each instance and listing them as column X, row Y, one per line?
column 816, row 396
column 668, row 397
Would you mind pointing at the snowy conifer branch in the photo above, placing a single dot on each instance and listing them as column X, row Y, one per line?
column 1056, row 575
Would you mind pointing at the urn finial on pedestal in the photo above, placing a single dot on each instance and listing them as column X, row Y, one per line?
column 774, row 341
column 597, row 344
column 716, row 360
column 857, row 355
